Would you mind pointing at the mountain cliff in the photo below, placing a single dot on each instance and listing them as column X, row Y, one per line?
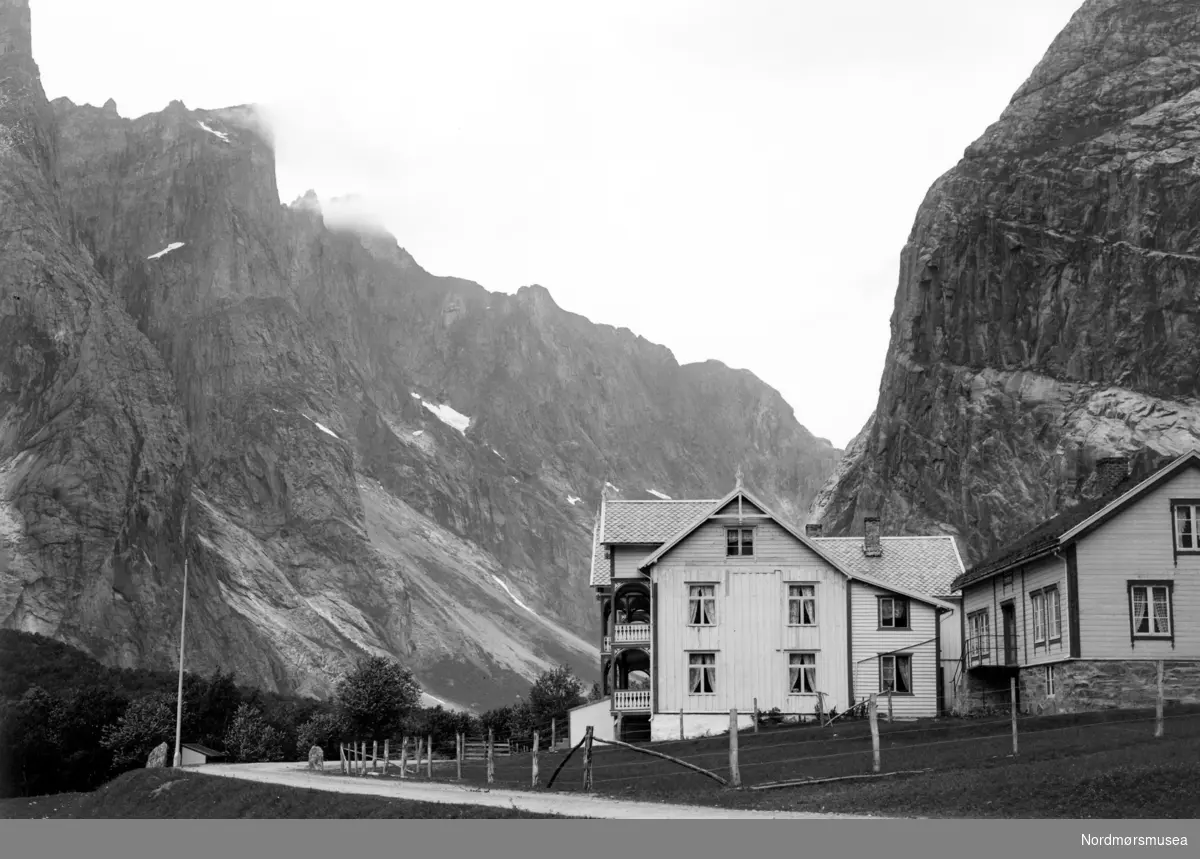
column 359, row 456
column 1047, row 313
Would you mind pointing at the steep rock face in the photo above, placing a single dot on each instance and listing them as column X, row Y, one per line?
column 374, row 459
column 1047, row 311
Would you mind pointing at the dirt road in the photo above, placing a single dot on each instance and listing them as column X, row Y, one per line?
column 567, row 804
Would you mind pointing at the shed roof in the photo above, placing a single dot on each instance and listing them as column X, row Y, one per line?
column 203, row 750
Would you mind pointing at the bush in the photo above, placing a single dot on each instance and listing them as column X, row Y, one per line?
column 250, row 739
column 326, row 730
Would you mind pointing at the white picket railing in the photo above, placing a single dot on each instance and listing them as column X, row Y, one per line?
column 626, row 633
column 631, row 699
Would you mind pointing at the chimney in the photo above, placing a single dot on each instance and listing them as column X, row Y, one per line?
column 812, row 531
column 872, row 542
column 1110, row 471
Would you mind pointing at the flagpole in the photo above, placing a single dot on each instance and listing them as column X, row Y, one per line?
column 182, row 625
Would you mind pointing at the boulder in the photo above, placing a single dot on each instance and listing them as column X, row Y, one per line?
column 316, row 758
column 158, row 757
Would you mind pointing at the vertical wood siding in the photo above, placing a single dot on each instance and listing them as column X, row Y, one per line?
column 1137, row 543
column 751, row 639
column 869, row 641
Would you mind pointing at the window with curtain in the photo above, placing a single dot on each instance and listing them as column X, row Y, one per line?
column 895, row 673
column 702, row 605
column 702, row 673
column 893, row 612
column 739, row 541
column 1187, row 527
column 802, row 605
column 802, row 673
column 1151, row 608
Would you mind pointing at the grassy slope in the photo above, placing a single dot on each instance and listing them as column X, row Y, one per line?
column 1075, row 766
column 166, row 793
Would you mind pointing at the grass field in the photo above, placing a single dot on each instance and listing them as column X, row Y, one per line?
column 1092, row 765
column 168, row 793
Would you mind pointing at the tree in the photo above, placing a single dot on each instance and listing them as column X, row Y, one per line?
column 596, row 694
column 376, row 697
column 147, row 721
column 554, row 693
column 322, row 729
column 251, row 739
column 30, row 733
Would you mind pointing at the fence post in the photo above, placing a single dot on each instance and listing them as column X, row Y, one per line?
column 889, row 706
column 491, row 760
column 1012, row 694
column 553, row 734
column 872, row 714
column 536, row 744
column 735, row 775
column 756, row 715
column 387, row 755
column 374, row 756
column 429, row 757
column 1158, row 704
column 342, row 756
column 420, row 751
column 681, row 724
column 458, row 752
column 403, row 756
column 587, row 761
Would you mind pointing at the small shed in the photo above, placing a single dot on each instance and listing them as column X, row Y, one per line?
column 194, row 754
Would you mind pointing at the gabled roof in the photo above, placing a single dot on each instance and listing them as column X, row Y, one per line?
column 927, row 565
column 1066, row 527
column 638, row 523
column 709, row 509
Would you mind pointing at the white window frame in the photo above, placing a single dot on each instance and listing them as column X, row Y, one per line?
column 802, row 598
column 1053, row 618
column 1193, row 521
column 894, row 657
column 696, row 663
column 799, row 670
column 1151, row 590
column 1037, row 602
column 702, row 598
column 979, row 635
column 907, row 612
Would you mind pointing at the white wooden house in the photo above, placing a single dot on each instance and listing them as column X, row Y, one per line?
column 716, row 604
column 1080, row 608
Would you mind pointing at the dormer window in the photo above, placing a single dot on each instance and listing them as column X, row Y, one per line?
column 739, row 542
column 1187, row 526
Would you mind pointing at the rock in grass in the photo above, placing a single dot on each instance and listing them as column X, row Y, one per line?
column 316, row 758
column 158, row 757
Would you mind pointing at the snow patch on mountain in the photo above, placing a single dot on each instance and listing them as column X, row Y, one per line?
column 171, row 247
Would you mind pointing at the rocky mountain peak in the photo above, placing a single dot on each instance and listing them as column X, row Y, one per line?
column 1045, row 317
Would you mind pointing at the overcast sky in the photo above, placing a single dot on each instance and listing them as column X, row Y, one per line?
column 733, row 179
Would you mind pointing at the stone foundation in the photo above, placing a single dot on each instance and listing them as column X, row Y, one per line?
column 1083, row 686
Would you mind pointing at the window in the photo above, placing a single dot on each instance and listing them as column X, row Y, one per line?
column 893, row 612
column 702, row 673
column 739, row 541
column 1008, row 581
column 802, row 673
column 1047, row 615
column 1150, row 610
column 1049, row 681
column 702, row 605
column 802, row 605
column 979, row 645
column 1187, row 527
column 895, row 673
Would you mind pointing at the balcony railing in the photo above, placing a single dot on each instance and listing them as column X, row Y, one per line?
column 992, row 649
column 631, row 699
column 632, row 633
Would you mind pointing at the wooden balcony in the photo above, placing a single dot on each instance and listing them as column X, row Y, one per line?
column 632, row 633
column 635, row 700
